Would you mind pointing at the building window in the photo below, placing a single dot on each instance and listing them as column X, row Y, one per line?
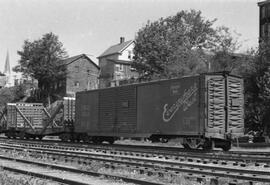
column 77, row 84
column 88, row 72
column 119, row 67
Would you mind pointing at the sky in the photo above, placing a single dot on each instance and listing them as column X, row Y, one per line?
column 91, row 26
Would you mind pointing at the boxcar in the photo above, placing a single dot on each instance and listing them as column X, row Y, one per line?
column 204, row 111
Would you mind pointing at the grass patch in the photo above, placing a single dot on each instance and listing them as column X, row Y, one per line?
column 7, row 178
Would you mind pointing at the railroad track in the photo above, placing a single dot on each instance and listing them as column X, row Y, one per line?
column 64, row 174
column 159, row 165
column 126, row 147
column 235, row 157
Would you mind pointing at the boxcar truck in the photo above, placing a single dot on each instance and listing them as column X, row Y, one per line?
column 203, row 111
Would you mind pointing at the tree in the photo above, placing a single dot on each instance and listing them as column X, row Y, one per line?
column 11, row 94
column 40, row 59
column 225, row 58
column 256, row 74
column 174, row 46
column 183, row 44
column 262, row 85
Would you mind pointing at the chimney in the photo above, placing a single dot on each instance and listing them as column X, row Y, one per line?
column 122, row 39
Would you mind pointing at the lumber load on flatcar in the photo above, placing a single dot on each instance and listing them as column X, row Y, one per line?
column 29, row 120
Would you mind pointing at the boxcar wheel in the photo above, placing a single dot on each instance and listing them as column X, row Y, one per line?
column 164, row 140
column 97, row 140
column 27, row 136
column 226, row 147
column 192, row 143
column 64, row 137
column 110, row 140
column 85, row 138
column 8, row 135
column 40, row 137
column 207, row 145
column 21, row 135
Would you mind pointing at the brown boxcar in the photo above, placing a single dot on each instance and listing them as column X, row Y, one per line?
column 202, row 110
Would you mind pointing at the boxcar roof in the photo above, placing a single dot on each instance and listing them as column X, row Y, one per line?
column 164, row 80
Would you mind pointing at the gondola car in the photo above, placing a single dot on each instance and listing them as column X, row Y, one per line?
column 203, row 111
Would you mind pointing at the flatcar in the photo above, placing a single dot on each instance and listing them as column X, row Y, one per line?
column 28, row 120
column 205, row 111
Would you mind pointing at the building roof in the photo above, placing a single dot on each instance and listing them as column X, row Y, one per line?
column 116, row 49
column 263, row 2
column 74, row 58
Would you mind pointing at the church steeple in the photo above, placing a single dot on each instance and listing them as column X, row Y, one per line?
column 7, row 65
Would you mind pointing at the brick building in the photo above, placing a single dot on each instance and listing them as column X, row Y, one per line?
column 82, row 74
column 115, row 64
column 264, row 22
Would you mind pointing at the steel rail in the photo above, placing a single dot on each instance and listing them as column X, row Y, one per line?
column 206, row 156
column 260, row 176
column 69, row 169
column 158, row 149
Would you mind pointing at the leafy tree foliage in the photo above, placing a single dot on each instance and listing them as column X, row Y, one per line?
column 40, row 59
column 224, row 56
column 11, row 94
column 259, row 91
column 183, row 44
column 256, row 74
column 173, row 46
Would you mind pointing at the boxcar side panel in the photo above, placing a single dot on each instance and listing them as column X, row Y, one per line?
column 87, row 112
column 107, row 110
column 126, row 108
column 148, row 109
column 170, row 107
